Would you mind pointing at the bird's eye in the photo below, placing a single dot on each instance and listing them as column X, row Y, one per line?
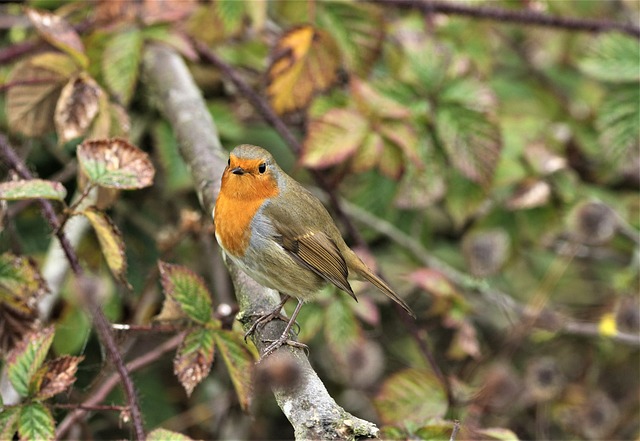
column 228, row 162
column 262, row 167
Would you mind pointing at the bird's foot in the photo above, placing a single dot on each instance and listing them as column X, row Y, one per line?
column 283, row 340
column 263, row 320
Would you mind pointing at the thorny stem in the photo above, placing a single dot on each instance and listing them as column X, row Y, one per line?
column 99, row 394
column 525, row 17
column 103, row 326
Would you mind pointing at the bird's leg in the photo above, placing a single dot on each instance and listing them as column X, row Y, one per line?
column 266, row 318
column 284, row 338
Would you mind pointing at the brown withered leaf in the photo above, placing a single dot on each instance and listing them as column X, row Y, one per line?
column 115, row 163
column 193, row 359
column 56, row 376
column 59, row 33
column 305, row 62
column 36, row 84
column 77, row 107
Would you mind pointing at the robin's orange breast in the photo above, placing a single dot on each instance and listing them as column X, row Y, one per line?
column 239, row 200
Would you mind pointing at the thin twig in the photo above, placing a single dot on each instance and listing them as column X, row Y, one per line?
column 455, row 430
column 525, row 17
column 103, row 326
column 101, row 393
column 556, row 321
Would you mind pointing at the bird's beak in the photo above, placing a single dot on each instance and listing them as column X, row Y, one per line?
column 237, row 171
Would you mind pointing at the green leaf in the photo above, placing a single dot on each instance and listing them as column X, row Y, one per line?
column 239, row 362
column 613, row 57
column 188, row 290
column 411, row 396
column 435, row 431
column 36, row 423
column 231, row 12
column 26, row 358
column 463, row 199
column 9, row 421
column 59, row 33
column 32, row 189
column 32, row 100
column 115, row 163
column 111, row 241
column 618, row 121
column 20, row 282
column 471, row 139
column 166, row 435
column 359, row 31
column 193, row 359
column 342, row 333
column 121, row 63
column 333, row 137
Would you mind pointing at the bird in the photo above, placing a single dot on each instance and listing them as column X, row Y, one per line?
column 282, row 236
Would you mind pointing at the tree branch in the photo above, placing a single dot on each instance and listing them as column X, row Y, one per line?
column 102, row 324
column 524, row 17
column 308, row 406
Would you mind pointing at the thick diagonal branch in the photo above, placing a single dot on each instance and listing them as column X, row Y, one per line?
column 312, row 412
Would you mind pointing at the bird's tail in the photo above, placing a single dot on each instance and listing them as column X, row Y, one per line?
column 382, row 286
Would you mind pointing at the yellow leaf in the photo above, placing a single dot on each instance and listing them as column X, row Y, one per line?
column 110, row 241
column 305, row 62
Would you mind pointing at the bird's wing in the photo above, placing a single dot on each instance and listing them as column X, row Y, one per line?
column 317, row 252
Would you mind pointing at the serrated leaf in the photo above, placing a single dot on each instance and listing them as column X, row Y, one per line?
column 239, row 362
column 121, row 63
column 111, row 242
column 613, row 57
column 402, row 135
column 21, row 285
column 359, row 31
column 56, row 376
column 411, row 396
column 333, row 137
column 391, row 161
column 115, row 163
column 194, row 357
column 373, row 102
column 231, row 12
column 305, row 62
column 9, row 421
column 472, row 141
column 37, row 83
column 35, row 423
column 26, row 358
column 166, row 435
column 188, row 290
column 32, row 189
column 59, row 33
column 618, row 122
column 77, row 107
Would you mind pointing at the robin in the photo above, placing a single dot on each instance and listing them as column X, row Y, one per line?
column 281, row 235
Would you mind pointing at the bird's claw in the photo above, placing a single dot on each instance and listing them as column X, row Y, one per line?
column 263, row 320
column 283, row 340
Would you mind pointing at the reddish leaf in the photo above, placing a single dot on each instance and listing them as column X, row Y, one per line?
column 57, row 32
column 333, row 137
column 56, row 376
column 194, row 357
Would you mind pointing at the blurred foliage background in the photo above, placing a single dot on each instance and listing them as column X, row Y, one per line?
column 492, row 168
